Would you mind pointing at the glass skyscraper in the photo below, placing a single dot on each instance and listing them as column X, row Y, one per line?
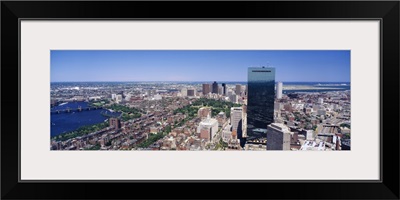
column 215, row 87
column 260, row 102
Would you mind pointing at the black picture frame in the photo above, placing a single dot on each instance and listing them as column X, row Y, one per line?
column 386, row 11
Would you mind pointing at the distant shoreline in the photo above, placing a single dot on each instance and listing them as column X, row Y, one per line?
column 301, row 87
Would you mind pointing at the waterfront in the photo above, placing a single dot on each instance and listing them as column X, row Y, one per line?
column 66, row 122
column 301, row 87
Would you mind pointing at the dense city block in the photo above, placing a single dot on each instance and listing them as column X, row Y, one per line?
column 233, row 116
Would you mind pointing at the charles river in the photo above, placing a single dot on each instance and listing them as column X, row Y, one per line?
column 65, row 122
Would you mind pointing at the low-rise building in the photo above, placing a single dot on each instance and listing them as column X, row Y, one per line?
column 310, row 145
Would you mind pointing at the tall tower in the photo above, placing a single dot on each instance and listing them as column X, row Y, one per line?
column 206, row 88
column 224, row 89
column 215, row 87
column 238, row 89
column 279, row 88
column 260, row 102
column 278, row 137
column 236, row 116
column 191, row 92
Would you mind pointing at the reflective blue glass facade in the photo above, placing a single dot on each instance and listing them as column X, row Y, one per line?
column 260, row 102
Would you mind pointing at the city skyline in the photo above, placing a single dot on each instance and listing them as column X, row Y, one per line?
column 200, row 100
column 197, row 65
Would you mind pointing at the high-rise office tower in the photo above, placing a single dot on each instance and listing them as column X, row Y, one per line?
column 278, row 137
column 238, row 89
column 236, row 117
column 260, row 102
column 206, row 88
column 279, row 88
column 215, row 87
column 191, row 92
column 224, row 89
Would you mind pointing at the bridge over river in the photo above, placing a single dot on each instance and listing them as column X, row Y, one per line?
column 79, row 109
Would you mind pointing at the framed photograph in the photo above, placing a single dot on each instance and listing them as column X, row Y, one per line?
column 297, row 96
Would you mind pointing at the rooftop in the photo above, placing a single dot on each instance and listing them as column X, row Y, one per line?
column 236, row 108
column 279, row 126
column 313, row 146
column 208, row 121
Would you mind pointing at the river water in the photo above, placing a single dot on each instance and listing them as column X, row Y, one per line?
column 66, row 122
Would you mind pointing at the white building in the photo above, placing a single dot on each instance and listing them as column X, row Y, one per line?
column 313, row 146
column 128, row 97
column 279, row 89
column 157, row 97
column 309, row 135
column 298, row 106
column 118, row 98
column 278, row 106
column 184, row 92
column 229, row 92
column 226, row 133
column 320, row 100
column 95, row 98
column 208, row 128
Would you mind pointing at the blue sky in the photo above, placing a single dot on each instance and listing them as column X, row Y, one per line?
column 197, row 65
